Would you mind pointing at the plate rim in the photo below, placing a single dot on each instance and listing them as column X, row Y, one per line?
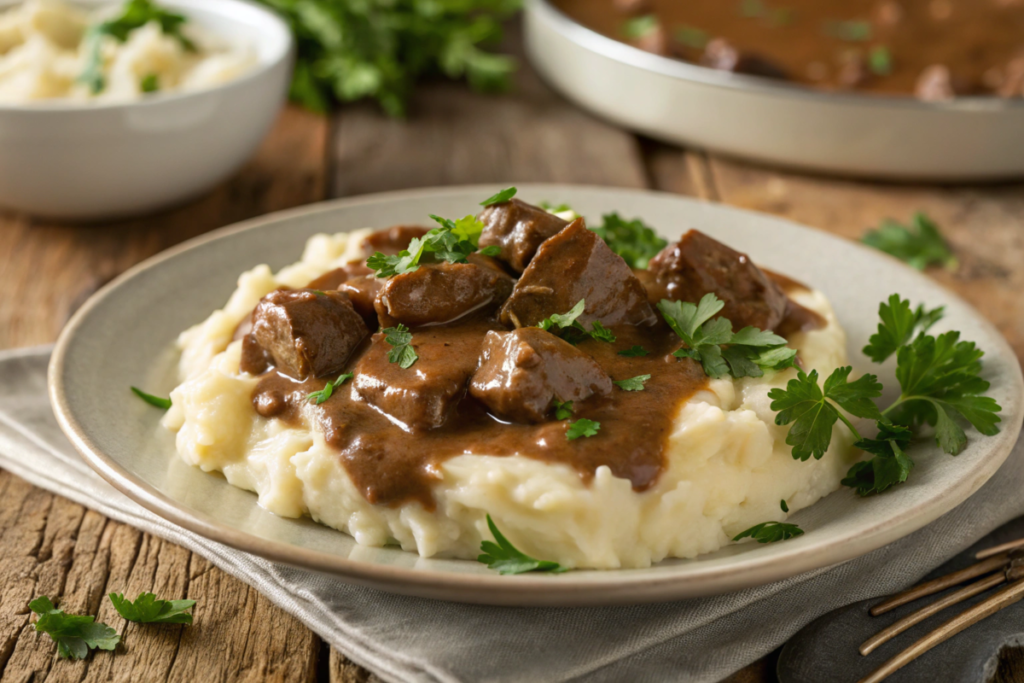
column 617, row 587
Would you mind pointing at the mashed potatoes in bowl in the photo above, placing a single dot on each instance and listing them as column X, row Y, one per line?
column 718, row 466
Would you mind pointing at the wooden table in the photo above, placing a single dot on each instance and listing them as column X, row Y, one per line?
column 49, row 545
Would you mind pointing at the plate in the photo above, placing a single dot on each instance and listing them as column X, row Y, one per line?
column 124, row 336
column 970, row 138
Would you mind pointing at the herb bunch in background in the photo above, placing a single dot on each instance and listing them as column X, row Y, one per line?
column 354, row 49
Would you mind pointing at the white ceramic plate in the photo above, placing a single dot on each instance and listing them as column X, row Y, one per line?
column 971, row 138
column 124, row 336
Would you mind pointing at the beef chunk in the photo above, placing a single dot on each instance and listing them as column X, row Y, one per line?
column 421, row 397
column 720, row 54
column 698, row 264
column 522, row 372
column 303, row 333
column 392, row 240
column 333, row 279
column 359, row 283
column 576, row 264
column 518, row 229
column 440, row 293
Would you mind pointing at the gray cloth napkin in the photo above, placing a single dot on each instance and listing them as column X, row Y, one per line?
column 411, row 639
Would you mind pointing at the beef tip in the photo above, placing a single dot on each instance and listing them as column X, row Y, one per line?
column 720, row 54
column 333, row 279
column 576, row 264
column 522, row 372
column 518, row 229
column 392, row 240
column 303, row 333
column 437, row 293
column 359, row 283
column 698, row 264
column 422, row 396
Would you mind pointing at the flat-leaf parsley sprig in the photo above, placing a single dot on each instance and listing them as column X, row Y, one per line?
column 940, row 386
column 75, row 634
column 713, row 344
column 147, row 609
column 919, row 245
column 566, row 326
column 500, row 554
column 770, row 532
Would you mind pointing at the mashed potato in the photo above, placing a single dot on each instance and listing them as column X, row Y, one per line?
column 727, row 462
column 45, row 53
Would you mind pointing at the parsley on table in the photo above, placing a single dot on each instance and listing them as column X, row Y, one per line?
column 770, row 532
column 148, row 610
column 75, row 634
column 919, row 245
column 638, row 27
column 572, row 330
column 633, row 240
column 563, row 409
column 636, row 351
column 500, row 554
column 500, row 198
column 319, row 397
column 402, row 351
column 135, row 14
column 633, row 383
column 582, row 427
column 712, row 343
column 152, row 400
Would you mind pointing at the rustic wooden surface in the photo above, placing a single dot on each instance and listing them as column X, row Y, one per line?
column 50, row 545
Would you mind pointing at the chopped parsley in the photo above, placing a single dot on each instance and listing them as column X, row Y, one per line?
column 150, row 83
column 75, row 634
column 770, row 532
column 782, row 504
column 152, row 400
column 402, row 352
column 638, row 27
column 148, row 610
column 691, row 36
column 582, row 427
column 563, row 410
column 319, row 397
column 919, row 245
column 712, row 343
column 572, row 330
column 500, row 554
column 633, row 383
column 633, row 240
column 503, row 196
column 880, row 60
column 634, row 352
column 854, row 31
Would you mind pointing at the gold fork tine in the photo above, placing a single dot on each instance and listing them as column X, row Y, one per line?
column 989, row 552
column 1004, row 598
column 987, row 565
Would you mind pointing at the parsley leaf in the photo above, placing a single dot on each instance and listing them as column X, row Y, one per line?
column 889, row 466
column 919, row 245
column 402, row 352
column 150, row 83
column 75, row 634
column 880, row 60
column 634, row 352
column 500, row 554
column 148, row 610
column 633, row 240
column 898, row 324
column 152, row 400
column 812, row 412
column 582, row 427
column 572, row 330
column 453, row 242
column 563, row 410
column 633, row 383
column 770, row 532
column 319, row 397
column 782, row 504
column 638, row 27
column 503, row 196
column 748, row 353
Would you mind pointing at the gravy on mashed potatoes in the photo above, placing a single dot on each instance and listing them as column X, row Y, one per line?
column 50, row 50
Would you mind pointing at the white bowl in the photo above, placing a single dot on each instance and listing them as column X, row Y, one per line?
column 85, row 161
column 971, row 138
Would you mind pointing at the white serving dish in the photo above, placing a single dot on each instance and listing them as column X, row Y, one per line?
column 897, row 138
column 85, row 161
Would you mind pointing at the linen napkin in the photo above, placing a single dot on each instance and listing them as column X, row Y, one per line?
column 411, row 639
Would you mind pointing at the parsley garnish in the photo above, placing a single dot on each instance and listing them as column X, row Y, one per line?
column 782, row 504
column 150, row 83
column 633, row 383
column 634, row 352
column 555, row 208
column 638, row 27
column 152, row 400
column 880, row 60
column 940, row 385
column 770, row 532
column 134, row 15
column 319, row 397
column 402, row 352
column 633, row 240
column 572, row 330
column 713, row 344
column 148, row 610
column 582, row 427
column 504, row 556
column 503, row 196
column 563, row 410
column 75, row 634
column 918, row 245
